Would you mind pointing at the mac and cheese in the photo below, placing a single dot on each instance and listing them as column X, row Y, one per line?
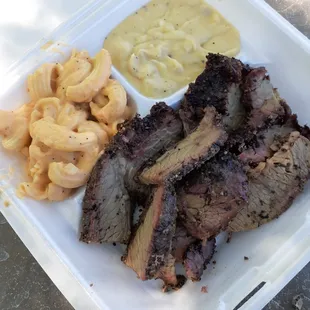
column 74, row 111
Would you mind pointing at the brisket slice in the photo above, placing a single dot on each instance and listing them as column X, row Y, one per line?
column 181, row 241
column 151, row 246
column 274, row 184
column 262, row 101
column 197, row 257
column 190, row 153
column 266, row 142
column 107, row 204
column 193, row 253
column 211, row 196
column 167, row 273
column 218, row 86
column 145, row 140
column 267, row 115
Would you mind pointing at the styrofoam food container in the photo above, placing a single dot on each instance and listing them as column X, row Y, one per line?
column 92, row 276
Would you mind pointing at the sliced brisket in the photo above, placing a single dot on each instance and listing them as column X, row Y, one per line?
column 242, row 162
column 266, row 114
column 218, row 86
column 151, row 246
column 197, row 257
column 181, row 241
column 266, row 142
column 106, row 204
column 190, row 153
column 274, row 184
column 167, row 273
column 211, row 196
column 262, row 101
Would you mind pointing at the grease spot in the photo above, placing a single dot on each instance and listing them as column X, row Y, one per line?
column 204, row 289
column 45, row 46
column 6, row 203
column 3, row 255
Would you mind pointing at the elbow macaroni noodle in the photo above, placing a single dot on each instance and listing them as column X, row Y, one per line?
column 74, row 111
column 97, row 79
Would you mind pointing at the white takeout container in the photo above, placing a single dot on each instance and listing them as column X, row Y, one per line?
column 92, row 276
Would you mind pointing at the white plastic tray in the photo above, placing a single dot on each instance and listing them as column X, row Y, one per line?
column 92, row 276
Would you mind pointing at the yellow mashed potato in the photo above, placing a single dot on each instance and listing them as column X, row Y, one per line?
column 163, row 46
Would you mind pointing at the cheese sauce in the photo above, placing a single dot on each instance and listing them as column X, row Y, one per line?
column 163, row 46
